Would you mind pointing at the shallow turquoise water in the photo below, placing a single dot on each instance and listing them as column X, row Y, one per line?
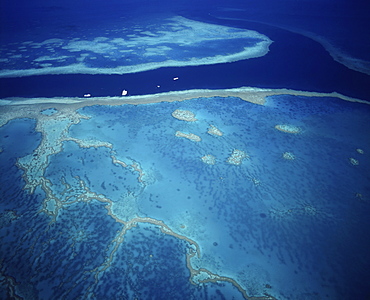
column 269, row 220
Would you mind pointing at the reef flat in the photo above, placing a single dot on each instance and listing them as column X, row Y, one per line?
column 110, row 175
column 136, row 49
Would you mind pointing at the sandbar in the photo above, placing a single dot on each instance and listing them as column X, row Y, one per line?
column 250, row 94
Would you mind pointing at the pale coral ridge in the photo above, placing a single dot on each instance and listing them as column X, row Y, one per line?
column 213, row 130
column 288, row 128
column 236, row 157
column 190, row 136
column 354, row 161
column 184, row 115
column 209, row 159
column 288, row 155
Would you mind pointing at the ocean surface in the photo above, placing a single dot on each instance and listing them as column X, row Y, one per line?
column 135, row 165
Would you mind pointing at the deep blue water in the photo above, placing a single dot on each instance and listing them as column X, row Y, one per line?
column 294, row 62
